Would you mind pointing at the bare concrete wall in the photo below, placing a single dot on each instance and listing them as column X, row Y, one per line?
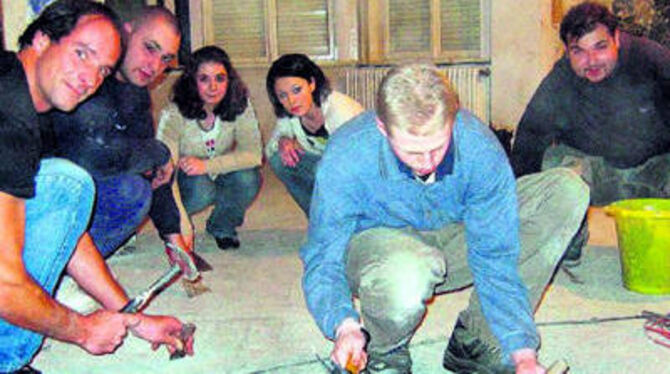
column 14, row 14
column 523, row 48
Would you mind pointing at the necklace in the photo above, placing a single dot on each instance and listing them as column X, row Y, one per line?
column 314, row 122
column 207, row 124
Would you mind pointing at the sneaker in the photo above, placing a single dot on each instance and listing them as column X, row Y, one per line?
column 573, row 255
column 227, row 243
column 26, row 370
column 396, row 361
column 467, row 354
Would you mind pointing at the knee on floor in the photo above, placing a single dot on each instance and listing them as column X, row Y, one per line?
column 402, row 281
column 568, row 187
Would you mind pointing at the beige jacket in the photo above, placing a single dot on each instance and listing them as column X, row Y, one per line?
column 337, row 109
column 238, row 146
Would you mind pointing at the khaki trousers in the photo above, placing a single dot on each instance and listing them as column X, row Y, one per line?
column 394, row 272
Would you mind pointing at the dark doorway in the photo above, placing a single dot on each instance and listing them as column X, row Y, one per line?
column 183, row 14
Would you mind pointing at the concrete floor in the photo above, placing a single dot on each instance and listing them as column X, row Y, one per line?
column 255, row 320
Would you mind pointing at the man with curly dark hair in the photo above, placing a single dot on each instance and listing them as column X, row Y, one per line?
column 604, row 111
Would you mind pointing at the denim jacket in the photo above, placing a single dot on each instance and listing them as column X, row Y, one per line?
column 360, row 184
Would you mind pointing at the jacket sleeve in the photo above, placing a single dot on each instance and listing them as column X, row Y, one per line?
column 333, row 220
column 93, row 138
column 340, row 109
column 535, row 131
column 247, row 152
column 492, row 235
column 282, row 128
column 170, row 125
column 658, row 58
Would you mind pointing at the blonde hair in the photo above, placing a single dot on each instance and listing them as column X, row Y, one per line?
column 416, row 98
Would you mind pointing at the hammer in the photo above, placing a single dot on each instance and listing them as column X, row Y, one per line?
column 183, row 263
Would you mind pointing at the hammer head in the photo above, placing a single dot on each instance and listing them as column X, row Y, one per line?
column 184, row 260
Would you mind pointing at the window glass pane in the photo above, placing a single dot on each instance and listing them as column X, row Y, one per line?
column 460, row 25
column 302, row 26
column 409, row 24
column 239, row 27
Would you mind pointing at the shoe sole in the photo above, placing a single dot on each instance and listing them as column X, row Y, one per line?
column 571, row 263
column 462, row 366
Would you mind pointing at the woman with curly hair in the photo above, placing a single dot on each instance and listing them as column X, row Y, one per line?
column 308, row 112
column 212, row 132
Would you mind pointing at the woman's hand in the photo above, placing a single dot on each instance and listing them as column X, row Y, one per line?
column 290, row 151
column 192, row 165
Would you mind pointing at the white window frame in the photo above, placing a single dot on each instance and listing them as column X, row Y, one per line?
column 376, row 36
column 339, row 31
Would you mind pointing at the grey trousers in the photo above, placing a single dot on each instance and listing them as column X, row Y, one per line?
column 609, row 184
column 394, row 272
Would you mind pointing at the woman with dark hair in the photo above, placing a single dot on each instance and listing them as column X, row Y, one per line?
column 308, row 112
column 212, row 132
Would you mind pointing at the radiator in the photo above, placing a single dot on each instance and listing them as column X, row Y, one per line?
column 472, row 82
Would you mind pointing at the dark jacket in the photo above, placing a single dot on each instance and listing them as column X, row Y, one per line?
column 111, row 133
column 625, row 118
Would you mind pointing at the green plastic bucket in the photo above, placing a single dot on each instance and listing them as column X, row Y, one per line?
column 643, row 233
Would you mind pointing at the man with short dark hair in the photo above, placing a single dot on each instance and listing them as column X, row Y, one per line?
column 45, row 205
column 112, row 136
column 419, row 199
column 603, row 110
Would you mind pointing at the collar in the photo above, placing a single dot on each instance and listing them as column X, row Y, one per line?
column 392, row 168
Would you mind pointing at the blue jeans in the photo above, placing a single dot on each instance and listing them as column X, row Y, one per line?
column 231, row 194
column 299, row 180
column 122, row 203
column 55, row 219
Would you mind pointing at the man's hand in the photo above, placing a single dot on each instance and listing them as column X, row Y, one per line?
column 103, row 331
column 525, row 361
column 350, row 345
column 163, row 175
column 290, row 151
column 159, row 330
column 192, row 165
